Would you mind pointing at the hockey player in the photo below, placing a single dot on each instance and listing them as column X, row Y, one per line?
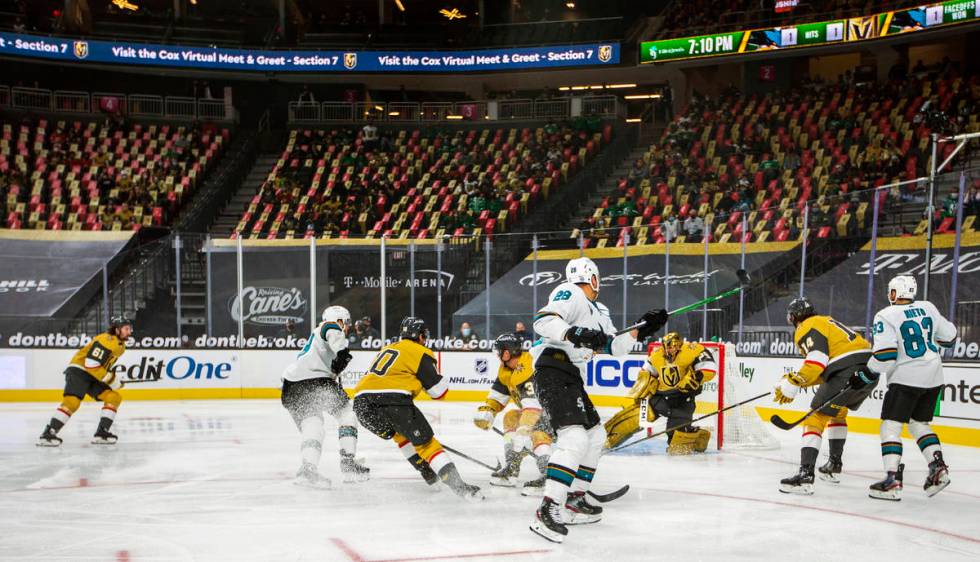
column 525, row 429
column 835, row 358
column 906, row 335
column 383, row 402
column 572, row 328
column 311, row 385
column 90, row 372
column 669, row 381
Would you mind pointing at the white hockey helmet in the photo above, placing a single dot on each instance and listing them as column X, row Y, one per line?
column 904, row 286
column 583, row 270
column 335, row 314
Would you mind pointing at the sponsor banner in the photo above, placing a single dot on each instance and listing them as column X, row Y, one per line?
column 842, row 291
column 861, row 28
column 43, row 273
column 265, row 60
column 37, row 375
column 512, row 296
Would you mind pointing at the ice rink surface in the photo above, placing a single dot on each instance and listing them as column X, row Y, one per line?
column 212, row 480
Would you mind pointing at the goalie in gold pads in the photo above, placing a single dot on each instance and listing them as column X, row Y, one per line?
column 525, row 430
column 836, row 359
column 666, row 387
column 384, row 404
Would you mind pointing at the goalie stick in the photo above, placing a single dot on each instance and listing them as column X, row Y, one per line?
column 783, row 424
column 743, row 281
column 681, row 426
column 601, row 498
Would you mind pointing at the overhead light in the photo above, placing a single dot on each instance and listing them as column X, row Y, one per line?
column 453, row 14
column 596, row 87
column 124, row 5
column 633, row 120
column 378, row 108
column 564, row 88
column 570, row 5
column 580, row 87
column 400, row 5
column 614, row 86
column 643, row 97
column 454, row 117
column 394, row 113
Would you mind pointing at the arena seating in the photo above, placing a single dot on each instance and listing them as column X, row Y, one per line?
column 765, row 157
column 413, row 183
column 77, row 175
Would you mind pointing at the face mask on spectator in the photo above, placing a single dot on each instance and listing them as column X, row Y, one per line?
column 466, row 332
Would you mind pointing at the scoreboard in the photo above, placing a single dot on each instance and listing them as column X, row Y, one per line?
column 812, row 34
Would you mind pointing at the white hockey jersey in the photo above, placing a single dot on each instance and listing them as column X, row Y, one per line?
column 907, row 344
column 567, row 307
column 321, row 348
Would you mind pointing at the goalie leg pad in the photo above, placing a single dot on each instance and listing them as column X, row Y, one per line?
column 626, row 422
column 511, row 420
column 689, row 442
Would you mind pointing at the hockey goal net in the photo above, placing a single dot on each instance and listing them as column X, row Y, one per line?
column 738, row 428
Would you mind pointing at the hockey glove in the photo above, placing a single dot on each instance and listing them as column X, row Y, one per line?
column 862, row 378
column 653, row 321
column 785, row 392
column 341, row 361
column 692, row 382
column 587, row 337
column 484, row 417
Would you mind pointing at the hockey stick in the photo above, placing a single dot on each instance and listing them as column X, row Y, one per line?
column 783, row 424
column 471, row 459
column 681, row 426
column 601, row 498
column 139, row 381
column 743, row 282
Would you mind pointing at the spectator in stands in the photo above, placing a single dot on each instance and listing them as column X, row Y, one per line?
column 370, row 330
column 521, row 332
column 669, row 228
column 370, row 136
column 468, row 335
column 693, row 227
column 288, row 329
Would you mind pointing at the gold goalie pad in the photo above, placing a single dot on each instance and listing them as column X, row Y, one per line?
column 626, row 422
column 688, row 443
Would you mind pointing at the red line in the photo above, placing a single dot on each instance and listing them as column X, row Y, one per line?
column 458, row 556
column 350, row 552
column 122, row 556
column 822, row 509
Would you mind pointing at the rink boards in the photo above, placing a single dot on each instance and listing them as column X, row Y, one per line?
column 36, row 375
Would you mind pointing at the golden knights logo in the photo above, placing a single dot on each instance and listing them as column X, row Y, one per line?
column 350, row 60
column 81, row 49
column 605, row 53
column 861, row 28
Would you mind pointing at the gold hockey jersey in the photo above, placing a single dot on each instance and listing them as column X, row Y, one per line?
column 693, row 357
column 515, row 384
column 827, row 346
column 403, row 367
column 99, row 355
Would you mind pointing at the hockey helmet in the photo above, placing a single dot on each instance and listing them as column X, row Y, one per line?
column 508, row 342
column 336, row 314
column 583, row 270
column 799, row 310
column 117, row 322
column 672, row 343
column 904, row 287
column 413, row 328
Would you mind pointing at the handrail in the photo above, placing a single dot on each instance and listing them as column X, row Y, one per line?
column 147, row 105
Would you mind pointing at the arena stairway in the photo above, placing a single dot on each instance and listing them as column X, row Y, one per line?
column 231, row 213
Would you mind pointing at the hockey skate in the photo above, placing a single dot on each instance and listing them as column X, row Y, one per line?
column 890, row 488
column 308, row 477
column 547, row 521
column 801, row 483
column 353, row 470
column 831, row 470
column 507, row 475
column 104, row 437
column 938, row 477
column 48, row 438
column 578, row 511
column 534, row 488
